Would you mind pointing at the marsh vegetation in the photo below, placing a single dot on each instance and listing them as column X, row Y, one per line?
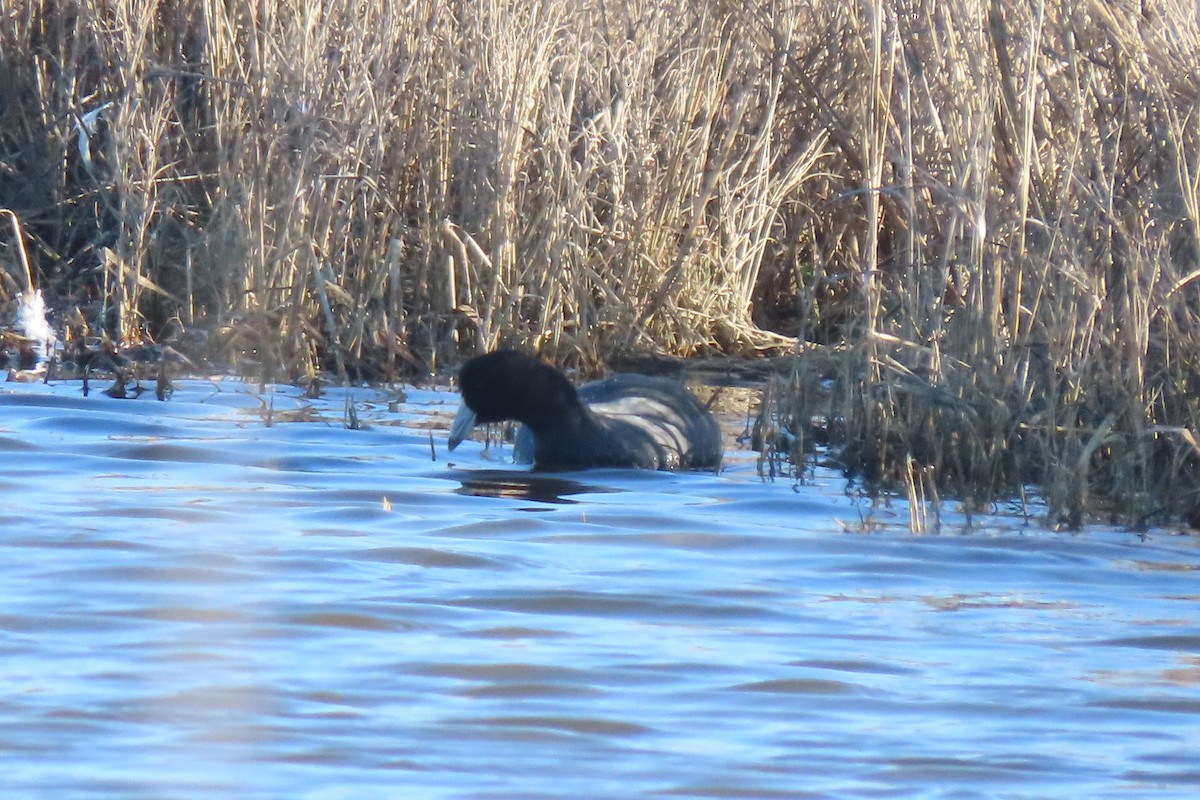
column 978, row 222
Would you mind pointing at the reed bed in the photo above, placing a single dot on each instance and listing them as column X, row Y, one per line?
column 1002, row 286
column 977, row 224
column 376, row 182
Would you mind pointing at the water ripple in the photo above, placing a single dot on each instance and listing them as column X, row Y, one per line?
column 196, row 605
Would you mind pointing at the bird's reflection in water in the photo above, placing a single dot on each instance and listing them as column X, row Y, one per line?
column 538, row 487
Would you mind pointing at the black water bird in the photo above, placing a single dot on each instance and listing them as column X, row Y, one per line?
column 622, row 421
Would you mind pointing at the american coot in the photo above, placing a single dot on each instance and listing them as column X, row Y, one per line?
column 621, row 421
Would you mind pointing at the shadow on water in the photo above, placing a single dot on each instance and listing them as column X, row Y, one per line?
column 536, row 486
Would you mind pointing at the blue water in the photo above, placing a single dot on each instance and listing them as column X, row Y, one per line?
column 194, row 604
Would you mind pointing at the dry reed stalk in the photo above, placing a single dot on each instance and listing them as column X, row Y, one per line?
column 18, row 239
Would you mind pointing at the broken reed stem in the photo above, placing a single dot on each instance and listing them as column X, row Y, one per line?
column 19, row 242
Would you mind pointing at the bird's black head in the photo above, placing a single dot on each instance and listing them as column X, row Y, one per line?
column 508, row 385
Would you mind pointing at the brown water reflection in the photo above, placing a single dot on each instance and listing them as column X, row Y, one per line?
column 520, row 485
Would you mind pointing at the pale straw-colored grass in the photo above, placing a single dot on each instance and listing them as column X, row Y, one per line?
column 981, row 218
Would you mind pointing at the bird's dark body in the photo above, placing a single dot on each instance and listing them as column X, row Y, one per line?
column 622, row 421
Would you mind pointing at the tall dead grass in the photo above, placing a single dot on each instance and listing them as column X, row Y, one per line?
column 982, row 218
column 1011, row 273
column 378, row 180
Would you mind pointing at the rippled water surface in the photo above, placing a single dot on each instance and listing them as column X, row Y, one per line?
column 194, row 604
